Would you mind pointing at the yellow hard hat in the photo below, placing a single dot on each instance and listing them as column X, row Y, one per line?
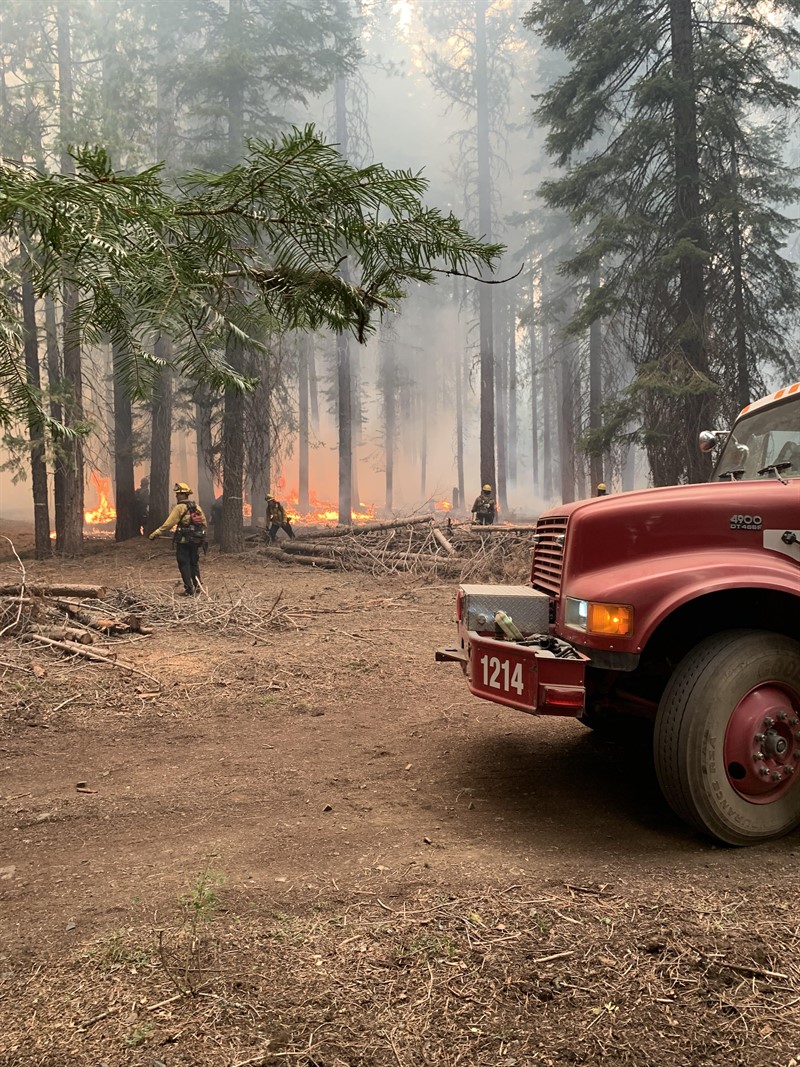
column 181, row 487
column 601, row 486
column 487, row 487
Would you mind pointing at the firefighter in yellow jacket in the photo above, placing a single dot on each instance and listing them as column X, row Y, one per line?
column 277, row 519
column 190, row 533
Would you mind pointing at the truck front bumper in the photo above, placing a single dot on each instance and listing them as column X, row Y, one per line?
column 520, row 675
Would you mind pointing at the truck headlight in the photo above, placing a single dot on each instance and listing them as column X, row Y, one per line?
column 576, row 613
column 594, row 617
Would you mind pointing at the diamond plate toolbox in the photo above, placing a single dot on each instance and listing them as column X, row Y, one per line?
column 529, row 608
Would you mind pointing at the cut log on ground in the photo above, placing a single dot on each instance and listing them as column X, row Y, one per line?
column 440, row 537
column 82, row 650
column 329, row 563
column 368, row 527
column 63, row 633
column 80, row 592
column 478, row 528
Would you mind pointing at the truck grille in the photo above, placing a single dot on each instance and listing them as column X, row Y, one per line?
column 548, row 555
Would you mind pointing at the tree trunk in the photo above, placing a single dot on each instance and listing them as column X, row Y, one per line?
column 205, row 469
column 566, row 422
column 595, row 389
column 389, row 381
column 259, row 456
column 125, row 499
column 512, row 451
column 460, row 372
column 344, row 377
column 181, row 452
column 344, row 394
column 232, row 539
column 161, row 441
column 548, row 479
column 41, row 510
column 423, row 449
column 743, row 386
column 485, row 299
column 313, row 387
column 536, row 378
column 54, row 384
column 690, row 324
column 303, row 429
column 501, row 407
column 71, row 541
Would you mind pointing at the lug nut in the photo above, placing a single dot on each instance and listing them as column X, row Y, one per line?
column 776, row 776
column 758, row 756
column 794, row 721
column 759, row 738
column 781, row 715
column 763, row 772
column 768, row 721
column 788, row 769
column 796, row 753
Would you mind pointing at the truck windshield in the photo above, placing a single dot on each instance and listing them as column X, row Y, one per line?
column 768, row 440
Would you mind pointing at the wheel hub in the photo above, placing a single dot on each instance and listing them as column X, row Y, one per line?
column 762, row 743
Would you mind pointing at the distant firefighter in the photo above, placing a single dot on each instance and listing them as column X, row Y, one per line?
column 601, row 489
column 485, row 507
column 277, row 519
column 141, row 503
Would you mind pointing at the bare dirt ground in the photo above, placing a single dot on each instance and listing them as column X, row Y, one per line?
column 305, row 843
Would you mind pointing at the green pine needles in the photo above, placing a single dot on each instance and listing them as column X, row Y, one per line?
column 258, row 248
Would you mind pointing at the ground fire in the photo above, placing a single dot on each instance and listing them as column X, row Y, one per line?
column 104, row 512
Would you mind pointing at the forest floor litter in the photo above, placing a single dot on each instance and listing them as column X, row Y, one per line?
column 286, row 836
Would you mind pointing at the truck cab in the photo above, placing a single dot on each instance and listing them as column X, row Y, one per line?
column 680, row 605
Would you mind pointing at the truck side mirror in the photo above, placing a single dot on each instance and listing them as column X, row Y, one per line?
column 711, row 439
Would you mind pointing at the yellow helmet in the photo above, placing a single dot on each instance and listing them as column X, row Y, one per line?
column 181, row 487
column 487, row 488
column 601, row 487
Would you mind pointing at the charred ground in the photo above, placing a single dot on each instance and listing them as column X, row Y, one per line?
column 305, row 843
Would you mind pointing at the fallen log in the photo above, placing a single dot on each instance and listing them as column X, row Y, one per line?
column 81, row 592
column 305, row 548
column 97, row 618
column 476, row 527
column 440, row 537
column 368, row 527
column 63, row 633
column 358, row 553
column 82, row 650
column 311, row 561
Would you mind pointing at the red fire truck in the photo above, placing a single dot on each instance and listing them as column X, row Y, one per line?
column 677, row 604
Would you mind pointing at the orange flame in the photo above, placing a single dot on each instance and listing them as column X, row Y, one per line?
column 104, row 512
column 320, row 511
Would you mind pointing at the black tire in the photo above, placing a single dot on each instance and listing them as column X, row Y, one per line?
column 696, row 721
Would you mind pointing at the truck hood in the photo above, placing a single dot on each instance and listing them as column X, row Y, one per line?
column 605, row 531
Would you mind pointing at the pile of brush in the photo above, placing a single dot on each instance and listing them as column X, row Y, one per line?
column 421, row 545
column 64, row 616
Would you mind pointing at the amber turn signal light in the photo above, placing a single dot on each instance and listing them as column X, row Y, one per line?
column 612, row 619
